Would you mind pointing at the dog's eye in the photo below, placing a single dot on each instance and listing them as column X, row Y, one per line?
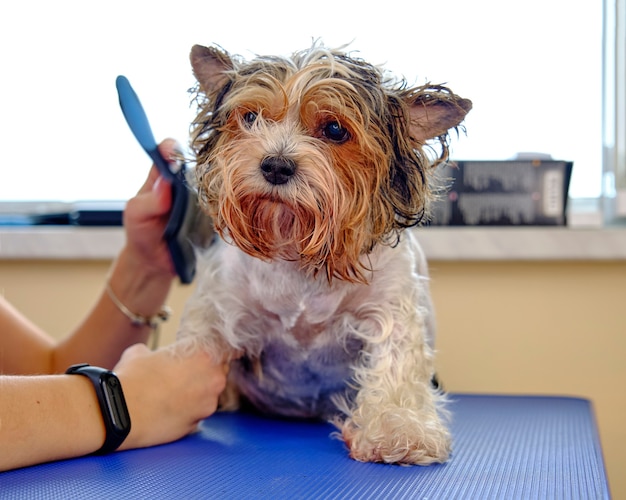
column 249, row 118
column 333, row 131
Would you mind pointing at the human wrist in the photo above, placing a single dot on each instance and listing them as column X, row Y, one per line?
column 111, row 401
column 141, row 288
column 153, row 321
column 133, row 382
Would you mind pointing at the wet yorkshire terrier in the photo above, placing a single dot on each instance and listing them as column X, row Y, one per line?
column 315, row 170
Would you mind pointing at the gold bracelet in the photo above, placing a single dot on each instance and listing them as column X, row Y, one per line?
column 136, row 319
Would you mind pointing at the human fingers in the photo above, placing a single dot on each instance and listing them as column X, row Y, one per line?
column 205, row 379
column 155, row 202
column 171, row 150
column 134, row 351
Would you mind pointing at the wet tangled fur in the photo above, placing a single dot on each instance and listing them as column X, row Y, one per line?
column 315, row 169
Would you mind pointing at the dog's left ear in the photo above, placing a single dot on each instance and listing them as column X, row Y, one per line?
column 210, row 65
column 434, row 110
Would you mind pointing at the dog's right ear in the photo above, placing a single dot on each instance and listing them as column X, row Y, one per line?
column 434, row 110
column 210, row 66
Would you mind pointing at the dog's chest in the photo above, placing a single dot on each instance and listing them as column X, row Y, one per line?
column 301, row 345
column 298, row 311
column 298, row 365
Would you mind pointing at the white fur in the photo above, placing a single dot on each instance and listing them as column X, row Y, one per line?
column 359, row 355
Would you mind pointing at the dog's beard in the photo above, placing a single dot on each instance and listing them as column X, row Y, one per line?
column 268, row 228
column 298, row 221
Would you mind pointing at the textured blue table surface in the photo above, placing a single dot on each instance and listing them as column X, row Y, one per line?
column 505, row 447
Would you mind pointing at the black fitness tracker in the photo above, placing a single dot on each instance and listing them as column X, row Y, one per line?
column 111, row 401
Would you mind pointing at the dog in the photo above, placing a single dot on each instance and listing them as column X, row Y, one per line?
column 315, row 170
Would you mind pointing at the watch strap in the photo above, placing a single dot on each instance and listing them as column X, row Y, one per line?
column 111, row 401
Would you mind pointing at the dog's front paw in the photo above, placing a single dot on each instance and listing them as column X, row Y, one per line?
column 397, row 435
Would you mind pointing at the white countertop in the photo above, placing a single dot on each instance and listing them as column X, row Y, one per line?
column 439, row 243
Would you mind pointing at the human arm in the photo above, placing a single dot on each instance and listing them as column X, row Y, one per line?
column 140, row 277
column 54, row 417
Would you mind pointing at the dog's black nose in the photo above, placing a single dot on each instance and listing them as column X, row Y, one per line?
column 277, row 169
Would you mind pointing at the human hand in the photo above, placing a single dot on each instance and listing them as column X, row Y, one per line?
column 168, row 392
column 143, row 272
column 146, row 215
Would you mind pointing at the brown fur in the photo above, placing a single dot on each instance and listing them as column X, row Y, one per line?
column 329, row 225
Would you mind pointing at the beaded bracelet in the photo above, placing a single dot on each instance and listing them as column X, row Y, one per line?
column 136, row 319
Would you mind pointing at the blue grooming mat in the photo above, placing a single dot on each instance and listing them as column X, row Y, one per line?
column 505, row 447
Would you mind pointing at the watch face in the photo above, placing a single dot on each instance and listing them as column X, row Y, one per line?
column 118, row 412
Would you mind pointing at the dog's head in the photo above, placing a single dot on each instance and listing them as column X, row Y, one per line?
column 315, row 158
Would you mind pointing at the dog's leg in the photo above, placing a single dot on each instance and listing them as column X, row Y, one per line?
column 397, row 415
column 396, row 418
column 197, row 331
